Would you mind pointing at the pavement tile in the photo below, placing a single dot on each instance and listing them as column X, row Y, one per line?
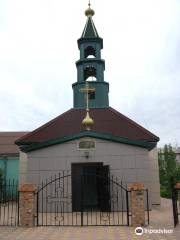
column 85, row 233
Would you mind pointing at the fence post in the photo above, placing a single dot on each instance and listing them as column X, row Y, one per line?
column 178, row 190
column 27, row 205
column 137, row 204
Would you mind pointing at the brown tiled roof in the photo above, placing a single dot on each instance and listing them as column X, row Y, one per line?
column 107, row 121
column 7, row 145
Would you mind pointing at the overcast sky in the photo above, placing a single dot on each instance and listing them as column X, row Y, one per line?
column 38, row 50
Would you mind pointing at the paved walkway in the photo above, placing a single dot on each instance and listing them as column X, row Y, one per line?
column 78, row 233
column 161, row 217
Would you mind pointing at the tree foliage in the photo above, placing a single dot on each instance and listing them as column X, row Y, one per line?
column 169, row 170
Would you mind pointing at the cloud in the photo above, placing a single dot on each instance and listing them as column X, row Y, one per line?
column 38, row 50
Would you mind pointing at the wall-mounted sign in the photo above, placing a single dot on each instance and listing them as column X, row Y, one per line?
column 86, row 144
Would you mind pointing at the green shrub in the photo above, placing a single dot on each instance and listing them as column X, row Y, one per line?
column 169, row 170
column 165, row 193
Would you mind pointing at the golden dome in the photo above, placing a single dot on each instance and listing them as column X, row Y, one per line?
column 89, row 12
column 87, row 122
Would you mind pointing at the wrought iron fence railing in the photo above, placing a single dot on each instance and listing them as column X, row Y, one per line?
column 9, row 203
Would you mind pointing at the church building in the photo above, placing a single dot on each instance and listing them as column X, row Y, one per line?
column 91, row 137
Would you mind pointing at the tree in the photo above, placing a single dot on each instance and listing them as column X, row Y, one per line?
column 169, row 170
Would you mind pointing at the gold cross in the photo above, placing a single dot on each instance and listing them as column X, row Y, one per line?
column 87, row 90
column 89, row 4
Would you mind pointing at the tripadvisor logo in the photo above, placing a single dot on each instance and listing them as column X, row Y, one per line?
column 139, row 231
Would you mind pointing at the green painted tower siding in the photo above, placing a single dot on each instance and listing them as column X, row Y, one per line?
column 90, row 44
column 101, row 100
column 10, row 167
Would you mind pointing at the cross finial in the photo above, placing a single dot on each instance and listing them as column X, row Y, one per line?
column 87, row 90
column 89, row 12
column 87, row 121
column 89, row 4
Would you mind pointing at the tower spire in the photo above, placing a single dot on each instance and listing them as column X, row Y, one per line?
column 89, row 29
column 90, row 69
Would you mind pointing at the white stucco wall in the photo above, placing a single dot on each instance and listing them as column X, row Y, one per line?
column 154, row 176
column 128, row 163
column 23, row 164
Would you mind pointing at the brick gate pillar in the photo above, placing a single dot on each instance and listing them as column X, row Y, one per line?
column 27, row 205
column 137, row 204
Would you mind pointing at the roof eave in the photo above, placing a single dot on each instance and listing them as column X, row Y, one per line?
column 4, row 155
column 90, row 39
column 36, row 146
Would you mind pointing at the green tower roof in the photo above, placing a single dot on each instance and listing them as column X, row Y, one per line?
column 89, row 29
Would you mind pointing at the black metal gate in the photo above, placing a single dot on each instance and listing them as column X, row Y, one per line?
column 176, row 210
column 101, row 201
column 9, row 203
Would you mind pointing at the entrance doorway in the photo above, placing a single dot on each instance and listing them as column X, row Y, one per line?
column 85, row 197
column 90, row 187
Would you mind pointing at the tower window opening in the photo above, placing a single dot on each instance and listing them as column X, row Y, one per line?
column 91, row 95
column 90, row 73
column 90, row 56
column 91, row 79
column 89, row 52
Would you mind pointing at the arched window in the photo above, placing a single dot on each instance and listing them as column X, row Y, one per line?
column 89, row 52
column 91, row 78
column 90, row 73
column 90, row 56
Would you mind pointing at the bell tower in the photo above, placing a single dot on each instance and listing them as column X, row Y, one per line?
column 90, row 68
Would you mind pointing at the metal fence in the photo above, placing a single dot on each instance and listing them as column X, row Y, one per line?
column 94, row 200
column 106, row 202
column 175, row 206
column 9, row 203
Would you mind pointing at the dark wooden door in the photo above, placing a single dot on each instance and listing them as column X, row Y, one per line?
column 85, row 186
column 90, row 187
column 76, row 173
column 90, row 190
column 104, row 188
